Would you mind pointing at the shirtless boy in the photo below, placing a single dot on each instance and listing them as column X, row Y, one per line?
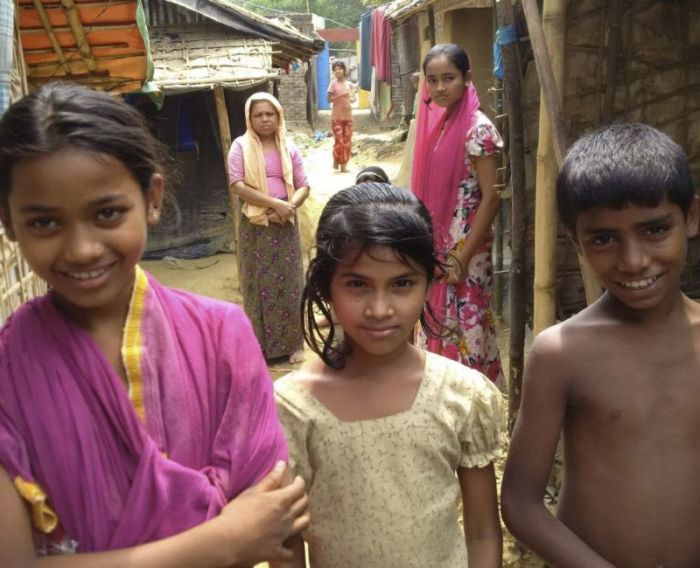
column 622, row 377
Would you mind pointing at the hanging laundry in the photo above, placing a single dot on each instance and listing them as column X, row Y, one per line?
column 381, row 45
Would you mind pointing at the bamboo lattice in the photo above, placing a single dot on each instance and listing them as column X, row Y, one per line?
column 17, row 281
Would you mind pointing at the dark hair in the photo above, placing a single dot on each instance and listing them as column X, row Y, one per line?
column 622, row 164
column 340, row 64
column 371, row 173
column 63, row 115
column 456, row 54
column 362, row 216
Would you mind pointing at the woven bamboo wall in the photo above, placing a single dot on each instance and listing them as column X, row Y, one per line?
column 17, row 282
column 637, row 62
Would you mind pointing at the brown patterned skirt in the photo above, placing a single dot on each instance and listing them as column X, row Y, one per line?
column 271, row 279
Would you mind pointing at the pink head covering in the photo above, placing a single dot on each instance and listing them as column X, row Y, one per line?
column 438, row 168
column 439, row 157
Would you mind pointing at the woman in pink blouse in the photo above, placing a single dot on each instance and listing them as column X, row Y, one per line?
column 267, row 173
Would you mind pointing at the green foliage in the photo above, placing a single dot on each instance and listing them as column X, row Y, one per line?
column 339, row 12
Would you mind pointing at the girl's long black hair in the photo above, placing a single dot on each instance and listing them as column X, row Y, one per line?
column 362, row 216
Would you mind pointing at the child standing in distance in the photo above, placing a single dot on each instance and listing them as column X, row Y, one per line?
column 388, row 437
column 137, row 423
column 340, row 94
column 621, row 377
column 454, row 174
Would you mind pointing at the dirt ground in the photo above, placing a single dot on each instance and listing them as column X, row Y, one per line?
column 217, row 276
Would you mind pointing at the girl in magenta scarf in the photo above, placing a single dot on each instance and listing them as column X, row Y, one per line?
column 137, row 423
column 454, row 174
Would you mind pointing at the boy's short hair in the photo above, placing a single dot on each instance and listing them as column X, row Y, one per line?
column 622, row 164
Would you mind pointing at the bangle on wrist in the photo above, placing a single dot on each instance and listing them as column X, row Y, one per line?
column 456, row 263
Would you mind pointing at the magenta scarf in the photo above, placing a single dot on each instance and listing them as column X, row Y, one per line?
column 438, row 169
column 197, row 426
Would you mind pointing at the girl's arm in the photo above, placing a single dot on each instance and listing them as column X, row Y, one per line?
column 250, row 529
column 300, row 195
column 482, row 525
column 236, row 171
column 301, row 182
column 485, row 168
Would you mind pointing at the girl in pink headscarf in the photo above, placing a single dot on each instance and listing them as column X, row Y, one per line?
column 137, row 422
column 454, row 174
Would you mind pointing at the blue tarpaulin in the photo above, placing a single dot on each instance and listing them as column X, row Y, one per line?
column 504, row 35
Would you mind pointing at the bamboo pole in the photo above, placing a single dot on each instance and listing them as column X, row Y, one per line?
column 51, row 33
column 76, row 27
column 64, row 29
column 552, row 146
column 615, row 10
column 19, row 60
column 551, row 30
column 545, row 313
column 71, row 50
column 102, row 58
column 518, row 289
column 112, row 3
column 222, row 119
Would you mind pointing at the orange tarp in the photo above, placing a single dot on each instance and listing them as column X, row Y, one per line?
column 110, row 30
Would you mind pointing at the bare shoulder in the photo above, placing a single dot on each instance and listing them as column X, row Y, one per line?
column 578, row 335
column 561, row 353
column 691, row 309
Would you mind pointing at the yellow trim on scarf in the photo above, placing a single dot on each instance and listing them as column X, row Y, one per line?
column 132, row 345
column 43, row 517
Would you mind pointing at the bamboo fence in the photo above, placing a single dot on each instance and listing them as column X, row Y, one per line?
column 17, row 281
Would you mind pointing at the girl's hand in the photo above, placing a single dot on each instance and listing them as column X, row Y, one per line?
column 258, row 522
column 456, row 270
column 273, row 217
column 284, row 210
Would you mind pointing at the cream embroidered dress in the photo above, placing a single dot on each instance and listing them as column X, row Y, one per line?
column 383, row 492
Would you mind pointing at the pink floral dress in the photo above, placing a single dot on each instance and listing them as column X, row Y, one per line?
column 468, row 313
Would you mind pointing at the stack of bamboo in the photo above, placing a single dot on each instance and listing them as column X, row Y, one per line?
column 17, row 281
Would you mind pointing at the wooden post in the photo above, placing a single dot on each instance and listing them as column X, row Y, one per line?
column 549, row 83
column 518, row 232
column 51, row 34
column 498, row 264
column 548, row 159
column 614, row 48
column 78, row 31
column 225, row 139
column 550, row 153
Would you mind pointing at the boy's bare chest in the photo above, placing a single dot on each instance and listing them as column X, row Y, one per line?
column 649, row 389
